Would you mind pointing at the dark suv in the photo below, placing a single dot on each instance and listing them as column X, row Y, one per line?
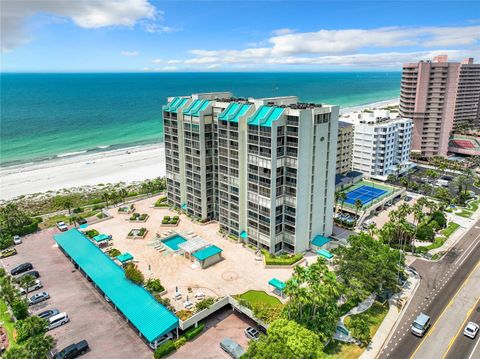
column 21, row 268
column 72, row 351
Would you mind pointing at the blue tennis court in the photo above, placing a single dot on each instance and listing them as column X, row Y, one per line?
column 365, row 194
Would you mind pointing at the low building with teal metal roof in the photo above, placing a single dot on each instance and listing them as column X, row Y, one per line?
column 208, row 256
column 124, row 257
column 325, row 254
column 102, row 238
column 278, row 285
column 140, row 308
column 320, row 241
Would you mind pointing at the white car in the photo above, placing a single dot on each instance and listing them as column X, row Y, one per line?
column 62, row 226
column 471, row 330
column 36, row 285
column 17, row 240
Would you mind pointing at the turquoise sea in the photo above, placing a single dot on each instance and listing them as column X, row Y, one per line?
column 44, row 116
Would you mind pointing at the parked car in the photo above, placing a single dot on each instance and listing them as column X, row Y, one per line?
column 58, row 320
column 252, row 333
column 17, row 240
column 35, row 286
column 72, row 351
column 471, row 330
column 21, row 268
column 62, row 226
column 32, row 273
column 8, row 252
column 81, row 220
column 38, row 298
column 407, row 198
column 388, row 204
column 232, row 348
column 46, row 314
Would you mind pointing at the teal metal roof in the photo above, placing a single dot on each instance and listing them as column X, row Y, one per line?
column 207, row 252
column 124, row 257
column 200, row 108
column 169, row 105
column 240, row 112
column 151, row 318
column 101, row 237
column 265, row 116
column 230, row 110
column 325, row 254
column 179, row 105
column 320, row 240
column 277, row 283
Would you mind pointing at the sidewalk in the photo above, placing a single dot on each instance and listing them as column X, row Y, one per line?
column 396, row 308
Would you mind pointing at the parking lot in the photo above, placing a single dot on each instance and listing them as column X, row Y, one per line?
column 91, row 317
column 223, row 324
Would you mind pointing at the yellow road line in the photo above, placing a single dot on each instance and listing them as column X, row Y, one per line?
column 432, row 329
column 460, row 329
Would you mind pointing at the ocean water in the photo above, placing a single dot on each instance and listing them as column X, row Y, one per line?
column 45, row 116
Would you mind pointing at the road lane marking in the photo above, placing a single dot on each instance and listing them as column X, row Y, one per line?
column 474, row 348
column 452, row 341
column 474, row 243
column 432, row 329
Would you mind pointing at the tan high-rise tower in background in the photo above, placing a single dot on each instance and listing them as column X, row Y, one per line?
column 439, row 96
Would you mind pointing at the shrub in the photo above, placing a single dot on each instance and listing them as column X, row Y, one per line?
column 77, row 210
column 92, row 233
column 166, row 217
column 161, row 202
column 283, row 259
column 179, row 342
column 6, row 241
column 154, row 286
column 425, row 232
column 204, row 304
column 134, row 274
column 164, row 349
column 20, row 309
column 29, row 327
column 184, row 314
column 193, row 332
column 165, row 221
column 114, row 252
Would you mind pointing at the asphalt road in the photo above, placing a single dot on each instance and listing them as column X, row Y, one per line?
column 440, row 281
column 464, row 347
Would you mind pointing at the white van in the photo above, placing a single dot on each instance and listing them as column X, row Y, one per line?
column 57, row 320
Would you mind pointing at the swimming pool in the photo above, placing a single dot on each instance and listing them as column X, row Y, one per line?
column 174, row 241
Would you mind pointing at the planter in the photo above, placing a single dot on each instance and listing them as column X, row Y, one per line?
column 139, row 221
column 273, row 266
column 170, row 225
column 136, row 236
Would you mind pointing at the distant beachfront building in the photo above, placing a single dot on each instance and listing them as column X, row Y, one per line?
column 263, row 168
column 381, row 143
column 439, row 96
column 344, row 147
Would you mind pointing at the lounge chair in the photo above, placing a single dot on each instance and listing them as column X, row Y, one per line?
column 177, row 296
column 187, row 304
column 199, row 295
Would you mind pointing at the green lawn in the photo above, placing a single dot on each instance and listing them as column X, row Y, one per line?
column 339, row 350
column 257, row 296
column 7, row 323
column 464, row 213
column 281, row 259
column 452, row 227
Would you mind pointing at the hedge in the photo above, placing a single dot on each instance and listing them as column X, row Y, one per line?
column 164, row 349
column 178, row 343
column 193, row 332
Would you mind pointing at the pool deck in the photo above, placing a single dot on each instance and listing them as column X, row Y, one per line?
column 237, row 273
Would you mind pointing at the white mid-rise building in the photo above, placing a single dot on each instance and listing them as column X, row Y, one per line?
column 263, row 168
column 381, row 143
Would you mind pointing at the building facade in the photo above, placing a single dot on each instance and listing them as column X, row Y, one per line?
column 263, row 168
column 381, row 143
column 344, row 147
column 439, row 96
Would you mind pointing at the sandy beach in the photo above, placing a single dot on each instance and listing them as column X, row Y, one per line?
column 127, row 165
column 142, row 162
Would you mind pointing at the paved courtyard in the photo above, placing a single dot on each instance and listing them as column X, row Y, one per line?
column 238, row 272
column 91, row 317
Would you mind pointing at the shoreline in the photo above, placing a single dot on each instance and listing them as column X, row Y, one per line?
column 128, row 164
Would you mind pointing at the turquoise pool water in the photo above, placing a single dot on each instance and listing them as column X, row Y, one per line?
column 174, row 241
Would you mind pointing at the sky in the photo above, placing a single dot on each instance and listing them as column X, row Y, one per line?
column 155, row 35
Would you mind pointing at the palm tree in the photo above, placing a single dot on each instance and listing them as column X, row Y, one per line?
column 123, row 193
column 391, row 178
column 67, row 204
column 358, row 206
column 40, row 345
column 342, row 196
column 73, row 219
column 27, row 282
column 105, row 197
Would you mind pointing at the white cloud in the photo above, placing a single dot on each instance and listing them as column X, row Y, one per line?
column 129, row 53
column 350, row 47
column 88, row 14
column 157, row 61
column 169, row 68
column 157, row 28
column 213, row 66
column 174, row 62
column 284, row 31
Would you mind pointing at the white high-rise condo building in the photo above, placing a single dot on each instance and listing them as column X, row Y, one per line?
column 381, row 143
column 263, row 168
